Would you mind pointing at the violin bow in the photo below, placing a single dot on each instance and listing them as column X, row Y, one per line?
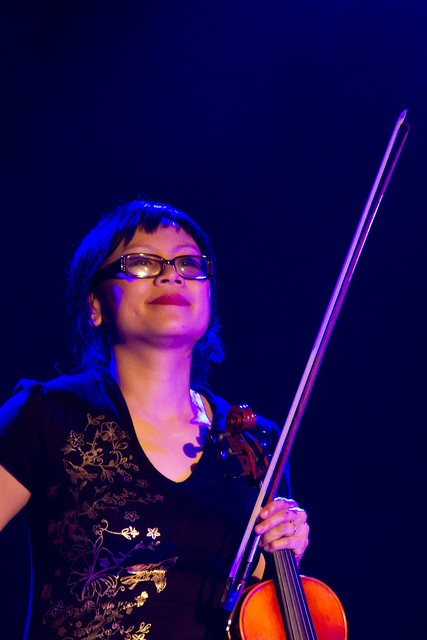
column 274, row 472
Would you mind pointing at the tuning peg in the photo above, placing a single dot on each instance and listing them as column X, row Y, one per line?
column 215, row 435
column 225, row 453
column 264, row 439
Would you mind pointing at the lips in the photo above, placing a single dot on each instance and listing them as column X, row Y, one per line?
column 173, row 299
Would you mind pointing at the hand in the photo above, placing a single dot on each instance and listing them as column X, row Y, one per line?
column 283, row 526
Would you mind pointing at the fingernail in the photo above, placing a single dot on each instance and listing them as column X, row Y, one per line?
column 259, row 528
column 264, row 513
column 267, row 547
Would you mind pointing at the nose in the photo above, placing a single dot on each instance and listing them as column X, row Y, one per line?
column 169, row 274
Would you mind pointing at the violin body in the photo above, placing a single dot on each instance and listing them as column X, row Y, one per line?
column 260, row 617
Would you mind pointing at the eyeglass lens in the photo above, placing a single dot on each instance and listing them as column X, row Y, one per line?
column 145, row 266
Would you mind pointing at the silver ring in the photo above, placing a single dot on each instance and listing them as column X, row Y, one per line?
column 295, row 527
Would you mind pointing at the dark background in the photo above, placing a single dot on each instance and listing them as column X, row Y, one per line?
column 266, row 122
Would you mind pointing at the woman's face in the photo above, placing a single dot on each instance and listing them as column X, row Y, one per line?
column 165, row 311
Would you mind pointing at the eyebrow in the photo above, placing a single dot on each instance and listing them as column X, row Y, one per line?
column 178, row 247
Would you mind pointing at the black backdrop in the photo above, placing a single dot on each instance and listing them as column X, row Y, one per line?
column 266, row 122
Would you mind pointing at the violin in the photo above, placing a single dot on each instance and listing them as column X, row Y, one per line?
column 261, row 618
column 293, row 607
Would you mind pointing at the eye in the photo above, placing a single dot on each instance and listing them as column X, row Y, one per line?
column 192, row 267
column 189, row 262
column 142, row 261
column 143, row 266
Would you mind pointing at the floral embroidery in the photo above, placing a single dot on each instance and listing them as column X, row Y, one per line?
column 95, row 460
column 154, row 572
column 128, row 532
column 89, row 576
column 92, row 454
column 52, row 491
column 149, row 498
column 47, row 591
column 131, row 515
column 51, row 527
column 75, row 440
column 140, row 600
column 78, row 474
column 153, row 533
column 110, row 500
column 140, row 635
column 57, row 608
column 110, row 432
column 107, row 615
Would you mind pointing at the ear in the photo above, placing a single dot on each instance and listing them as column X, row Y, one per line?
column 94, row 310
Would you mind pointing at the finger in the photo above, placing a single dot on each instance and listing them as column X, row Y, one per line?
column 280, row 516
column 278, row 504
column 297, row 543
column 282, row 530
column 287, row 531
column 287, row 543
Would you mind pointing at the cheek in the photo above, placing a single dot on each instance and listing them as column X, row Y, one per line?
column 111, row 302
column 205, row 307
column 115, row 299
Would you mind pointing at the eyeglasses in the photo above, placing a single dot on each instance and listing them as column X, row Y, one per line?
column 145, row 265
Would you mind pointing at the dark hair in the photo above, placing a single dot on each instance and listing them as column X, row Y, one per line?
column 90, row 344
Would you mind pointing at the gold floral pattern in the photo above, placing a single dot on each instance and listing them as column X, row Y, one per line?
column 139, row 635
column 94, row 460
column 92, row 453
column 154, row 572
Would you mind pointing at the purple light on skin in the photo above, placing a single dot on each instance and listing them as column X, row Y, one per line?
column 190, row 449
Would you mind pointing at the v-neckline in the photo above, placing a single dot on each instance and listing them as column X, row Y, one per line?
column 112, row 386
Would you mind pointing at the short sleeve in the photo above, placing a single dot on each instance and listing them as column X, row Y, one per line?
column 22, row 427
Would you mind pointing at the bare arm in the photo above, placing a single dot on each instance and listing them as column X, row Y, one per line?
column 13, row 497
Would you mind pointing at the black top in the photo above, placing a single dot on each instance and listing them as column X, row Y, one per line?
column 119, row 550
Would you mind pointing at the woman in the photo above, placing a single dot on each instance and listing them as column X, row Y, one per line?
column 133, row 524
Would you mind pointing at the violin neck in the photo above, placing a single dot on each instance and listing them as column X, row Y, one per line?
column 291, row 597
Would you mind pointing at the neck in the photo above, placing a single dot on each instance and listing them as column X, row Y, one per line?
column 157, row 381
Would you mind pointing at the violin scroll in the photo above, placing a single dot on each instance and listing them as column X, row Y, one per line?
column 239, row 418
column 237, row 441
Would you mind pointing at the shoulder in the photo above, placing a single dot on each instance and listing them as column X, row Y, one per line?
column 34, row 400
column 77, row 384
column 63, row 384
column 36, row 422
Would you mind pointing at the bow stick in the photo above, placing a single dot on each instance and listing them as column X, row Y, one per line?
column 233, row 591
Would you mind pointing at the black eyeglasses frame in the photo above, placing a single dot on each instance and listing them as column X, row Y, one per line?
column 120, row 266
